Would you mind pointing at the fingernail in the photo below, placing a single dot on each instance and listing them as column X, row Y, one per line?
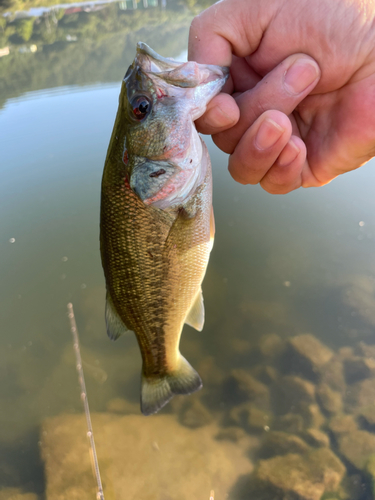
column 288, row 155
column 268, row 134
column 300, row 75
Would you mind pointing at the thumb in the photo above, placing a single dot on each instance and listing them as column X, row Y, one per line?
column 224, row 28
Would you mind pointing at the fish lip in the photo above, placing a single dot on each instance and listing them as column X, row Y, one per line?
column 200, row 74
column 144, row 49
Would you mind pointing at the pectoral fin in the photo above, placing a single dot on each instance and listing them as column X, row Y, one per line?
column 195, row 318
column 115, row 325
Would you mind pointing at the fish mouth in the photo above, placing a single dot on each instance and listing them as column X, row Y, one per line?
column 186, row 75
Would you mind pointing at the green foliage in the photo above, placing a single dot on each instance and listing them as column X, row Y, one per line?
column 24, row 28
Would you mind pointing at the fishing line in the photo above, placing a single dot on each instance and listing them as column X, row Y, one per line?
column 81, row 378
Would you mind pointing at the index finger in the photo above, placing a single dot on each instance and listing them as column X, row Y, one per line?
column 225, row 28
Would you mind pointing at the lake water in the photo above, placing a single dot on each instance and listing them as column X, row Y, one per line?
column 281, row 267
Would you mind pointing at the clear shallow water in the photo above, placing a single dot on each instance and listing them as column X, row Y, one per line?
column 281, row 265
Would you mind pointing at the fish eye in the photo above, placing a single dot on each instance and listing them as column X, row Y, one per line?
column 141, row 106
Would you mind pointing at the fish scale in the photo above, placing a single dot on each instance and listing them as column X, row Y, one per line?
column 155, row 237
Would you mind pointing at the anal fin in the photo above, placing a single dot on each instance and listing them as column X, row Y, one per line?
column 195, row 318
column 115, row 325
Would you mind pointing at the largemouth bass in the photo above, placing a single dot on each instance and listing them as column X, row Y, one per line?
column 157, row 223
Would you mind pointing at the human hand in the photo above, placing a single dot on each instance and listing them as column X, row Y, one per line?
column 299, row 107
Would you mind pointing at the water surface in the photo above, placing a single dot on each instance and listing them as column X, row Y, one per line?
column 281, row 265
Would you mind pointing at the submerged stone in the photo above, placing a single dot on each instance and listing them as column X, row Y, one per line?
column 357, row 447
column 312, row 416
column 290, row 422
column 299, row 477
column 272, row 345
column 332, row 374
column 330, row 400
column 266, row 374
column 282, row 443
column 316, row 438
column 194, row 414
column 148, row 458
column 360, row 394
column 342, row 424
column 291, row 392
column 307, row 355
column 241, row 387
column 358, row 368
column 250, row 417
column 367, row 414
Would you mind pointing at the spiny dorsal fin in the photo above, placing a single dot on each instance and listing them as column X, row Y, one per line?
column 195, row 318
column 115, row 325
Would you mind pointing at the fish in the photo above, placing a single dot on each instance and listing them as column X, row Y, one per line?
column 156, row 219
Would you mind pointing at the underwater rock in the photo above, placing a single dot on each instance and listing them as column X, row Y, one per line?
column 332, row 374
column 282, row 443
column 357, row 447
column 330, row 400
column 250, row 417
column 307, row 354
column 342, row 424
column 316, row 437
column 291, row 392
column 358, row 368
column 240, row 387
column 16, row 494
column 290, row 422
column 299, row 477
column 312, row 416
column 194, row 414
column 266, row 374
column 247, row 443
column 367, row 414
column 360, row 394
column 272, row 345
column 149, row 458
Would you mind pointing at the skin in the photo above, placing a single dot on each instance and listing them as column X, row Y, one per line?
column 298, row 109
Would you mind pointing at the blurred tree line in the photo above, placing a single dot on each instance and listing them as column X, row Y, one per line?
column 61, row 25
column 104, row 45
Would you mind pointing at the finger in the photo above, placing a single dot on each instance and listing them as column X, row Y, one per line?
column 227, row 27
column 285, row 174
column 282, row 89
column 260, row 147
column 222, row 113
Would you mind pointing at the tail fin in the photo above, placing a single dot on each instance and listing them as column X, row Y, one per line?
column 157, row 391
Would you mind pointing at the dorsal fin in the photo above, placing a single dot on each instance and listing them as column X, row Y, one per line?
column 195, row 318
column 115, row 325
